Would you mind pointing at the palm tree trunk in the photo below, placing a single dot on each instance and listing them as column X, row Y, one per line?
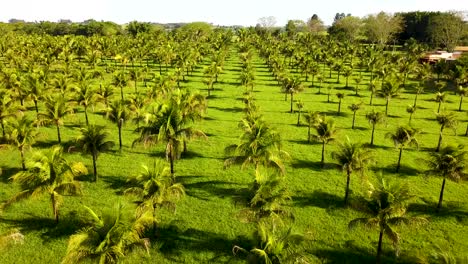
column 399, row 160
column 466, row 132
column 371, row 98
column 372, row 135
column 379, row 247
column 35, row 107
column 95, row 167
column 322, row 162
column 386, row 107
column 348, row 179
column 339, row 106
column 58, row 134
column 441, row 196
column 460, row 105
column 120, row 134
column 54, row 208
column 86, row 115
column 298, row 117
column 23, row 164
column 121, row 93
column 354, row 118
column 415, row 100
column 438, row 109
column 292, row 98
column 440, row 138
column 410, row 116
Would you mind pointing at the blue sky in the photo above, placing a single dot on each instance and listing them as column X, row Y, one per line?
column 239, row 12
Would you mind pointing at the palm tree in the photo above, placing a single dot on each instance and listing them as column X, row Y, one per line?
column 389, row 90
column 48, row 173
column 120, row 80
column 347, row 72
column 259, row 145
column 104, row 93
column 352, row 157
column 373, row 88
column 357, row 81
column 155, row 188
column 135, row 75
column 462, row 92
column 299, row 105
column 7, row 108
column 21, row 134
column 410, row 109
column 56, row 108
column 107, row 238
column 136, row 105
column 386, row 207
column 440, row 98
column 86, row 96
column 374, row 118
column 93, row 141
column 445, row 120
column 450, row 163
column 354, row 108
column 419, row 90
column 170, row 125
column 117, row 113
column 292, row 86
column 403, row 137
column 312, row 119
column 326, row 132
column 340, row 96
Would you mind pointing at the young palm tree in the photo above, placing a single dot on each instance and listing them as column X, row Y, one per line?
column 49, row 174
column 354, row 108
column 259, row 145
column 389, row 90
column 86, row 96
column 107, row 238
column 462, row 92
column 299, row 105
column 403, row 137
column 21, row 134
column 357, row 81
column 93, row 141
column 440, row 98
column 374, row 118
column 117, row 113
column 104, row 93
column 136, row 104
column 155, row 189
column 292, row 86
column 120, row 80
column 352, row 157
column 326, row 133
column 373, row 88
column 445, row 120
column 312, row 119
column 419, row 90
column 340, row 97
column 410, row 109
column 386, row 207
column 7, row 108
column 450, row 163
column 56, row 108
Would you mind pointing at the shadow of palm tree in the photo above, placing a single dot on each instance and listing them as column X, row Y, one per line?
column 116, row 183
column 315, row 165
column 405, row 170
column 319, row 199
column 7, row 172
column 175, row 241
column 228, row 109
column 449, row 210
column 221, row 189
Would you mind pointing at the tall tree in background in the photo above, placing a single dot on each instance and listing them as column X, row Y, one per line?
column 382, row 28
column 447, row 29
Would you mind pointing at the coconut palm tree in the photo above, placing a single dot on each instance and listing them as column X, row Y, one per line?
column 445, row 120
column 352, row 157
column 403, row 136
column 136, row 104
column 373, row 88
column 120, row 80
column 389, row 90
column 56, row 108
column 354, row 108
column 155, row 188
column 299, row 105
column 117, row 113
column 292, row 86
column 374, row 118
column 49, row 174
column 357, row 81
column 93, row 141
column 419, row 90
column 108, row 237
column 410, row 109
column 462, row 92
column 7, row 108
column 312, row 119
column 104, row 93
column 386, row 208
column 340, row 97
column 21, row 134
column 326, row 133
column 440, row 98
column 86, row 96
column 259, row 145
column 449, row 163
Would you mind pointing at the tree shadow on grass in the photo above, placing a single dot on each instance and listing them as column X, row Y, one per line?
column 315, row 165
column 234, row 109
column 319, row 199
column 304, row 141
column 7, row 172
column 233, row 191
column 404, row 171
column 116, row 183
column 449, row 210
column 68, row 225
column 175, row 242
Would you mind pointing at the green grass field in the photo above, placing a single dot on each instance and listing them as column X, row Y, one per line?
column 205, row 227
